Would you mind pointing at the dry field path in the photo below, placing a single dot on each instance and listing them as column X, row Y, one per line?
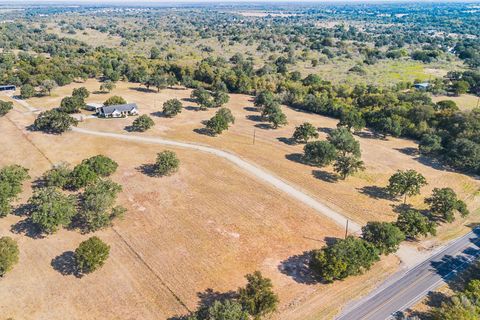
column 259, row 173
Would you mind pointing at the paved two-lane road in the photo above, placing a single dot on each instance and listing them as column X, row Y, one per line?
column 418, row 281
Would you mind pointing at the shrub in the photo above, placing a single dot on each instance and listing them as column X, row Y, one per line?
column 72, row 104
column 319, row 153
column 58, row 176
column 81, row 176
column 258, row 298
column 172, row 107
column 91, row 255
column 101, row 165
column 5, row 107
column 142, row 123
column 412, row 223
column 81, row 93
column 11, row 180
column 385, row 236
column 346, row 257
column 27, row 91
column 114, row 100
column 51, row 209
column 8, row 254
column 167, row 163
column 96, row 207
column 305, row 132
column 54, row 121
column 444, row 202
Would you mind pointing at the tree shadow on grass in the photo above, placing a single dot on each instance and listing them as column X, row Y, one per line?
column 65, row 264
column 191, row 108
column 250, row 109
column 130, row 128
column 297, row 267
column 296, row 157
column 188, row 100
column 288, row 141
column 22, row 210
column 159, row 114
column 370, row 135
column 144, row 90
column 326, row 130
column 376, row 192
column 209, row 296
column 409, row 151
column 203, row 131
column 325, row 176
column 403, row 207
column 264, row 126
column 254, row 117
column 206, row 299
column 148, row 169
column 28, row 228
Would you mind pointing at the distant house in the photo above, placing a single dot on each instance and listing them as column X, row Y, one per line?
column 421, row 86
column 93, row 106
column 8, row 88
column 118, row 111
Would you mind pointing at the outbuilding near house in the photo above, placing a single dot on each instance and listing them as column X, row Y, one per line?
column 421, row 86
column 93, row 106
column 8, row 88
column 118, row 111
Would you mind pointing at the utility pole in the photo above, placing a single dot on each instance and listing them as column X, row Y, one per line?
column 346, row 230
column 254, row 135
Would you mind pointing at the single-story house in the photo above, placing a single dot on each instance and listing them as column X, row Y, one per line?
column 118, row 111
column 93, row 106
column 421, row 86
column 8, row 88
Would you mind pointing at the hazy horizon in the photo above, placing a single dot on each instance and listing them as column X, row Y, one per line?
column 223, row 1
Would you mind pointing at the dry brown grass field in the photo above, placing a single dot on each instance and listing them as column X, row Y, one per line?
column 209, row 224
column 357, row 197
column 464, row 101
column 204, row 227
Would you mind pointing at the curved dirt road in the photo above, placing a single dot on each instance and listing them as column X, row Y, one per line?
column 252, row 169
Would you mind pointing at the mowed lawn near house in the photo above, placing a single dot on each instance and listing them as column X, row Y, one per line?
column 202, row 228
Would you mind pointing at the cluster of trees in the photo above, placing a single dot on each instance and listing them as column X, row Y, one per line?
column 353, row 256
column 465, row 302
column 270, row 109
column 54, row 121
column 92, row 210
column 257, row 299
column 206, row 99
column 340, row 148
column 386, row 110
column 76, row 102
column 443, row 130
